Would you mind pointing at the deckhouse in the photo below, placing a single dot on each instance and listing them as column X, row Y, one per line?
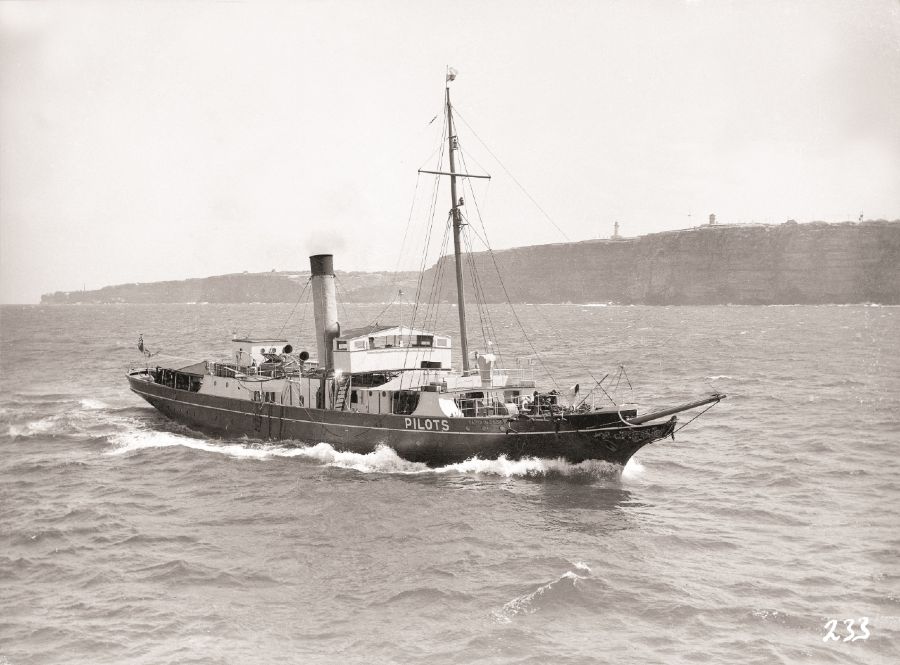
column 253, row 351
column 380, row 348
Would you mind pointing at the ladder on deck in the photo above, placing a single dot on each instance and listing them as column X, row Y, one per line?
column 340, row 398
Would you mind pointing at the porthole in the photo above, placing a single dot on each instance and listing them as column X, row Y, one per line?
column 384, row 393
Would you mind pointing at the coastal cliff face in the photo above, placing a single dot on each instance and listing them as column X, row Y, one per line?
column 789, row 263
column 754, row 264
column 262, row 287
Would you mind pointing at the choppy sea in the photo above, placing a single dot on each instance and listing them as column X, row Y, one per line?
column 767, row 532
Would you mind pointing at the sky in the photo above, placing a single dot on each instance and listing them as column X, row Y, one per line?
column 149, row 141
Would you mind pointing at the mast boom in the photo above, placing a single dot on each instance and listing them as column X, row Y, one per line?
column 456, row 175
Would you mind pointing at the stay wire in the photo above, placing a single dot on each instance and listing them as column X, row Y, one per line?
column 474, row 275
column 487, row 324
column 695, row 417
column 512, row 177
column 479, row 283
column 506, row 292
column 429, row 223
column 300, row 297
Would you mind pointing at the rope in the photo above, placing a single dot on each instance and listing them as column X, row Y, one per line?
column 515, row 314
column 512, row 177
column 305, row 286
column 695, row 417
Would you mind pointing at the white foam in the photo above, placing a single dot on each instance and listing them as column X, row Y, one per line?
column 93, row 404
column 32, row 428
column 525, row 604
column 382, row 460
column 531, row 466
column 633, row 469
column 132, row 441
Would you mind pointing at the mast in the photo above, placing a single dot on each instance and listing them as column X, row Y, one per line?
column 457, row 225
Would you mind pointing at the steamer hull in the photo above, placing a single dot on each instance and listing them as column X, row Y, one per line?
column 431, row 441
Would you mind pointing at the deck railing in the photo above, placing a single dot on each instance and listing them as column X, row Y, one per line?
column 503, row 376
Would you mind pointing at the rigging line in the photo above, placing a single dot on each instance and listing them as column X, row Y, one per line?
column 531, row 198
column 630, row 387
column 509, row 301
column 474, row 275
column 481, row 301
column 412, row 207
column 519, row 321
column 581, row 365
column 491, row 327
column 429, row 224
column 381, row 313
column 429, row 304
column 437, row 281
column 442, row 274
column 302, row 328
column 497, row 268
column 695, row 417
column 419, row 292
column 300, row 297
column 345, row 295
column 429, row 301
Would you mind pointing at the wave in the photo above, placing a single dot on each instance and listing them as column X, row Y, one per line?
column 90, row 417
column 383, row 459
column 561, row 591
column 93, row 404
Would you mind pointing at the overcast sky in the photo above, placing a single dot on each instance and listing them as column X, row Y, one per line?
column 150, row 141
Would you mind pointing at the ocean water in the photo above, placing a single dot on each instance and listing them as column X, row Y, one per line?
column 765, row 533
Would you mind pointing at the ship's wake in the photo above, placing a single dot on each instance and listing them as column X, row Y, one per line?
column 383, row 460
column 563, row 592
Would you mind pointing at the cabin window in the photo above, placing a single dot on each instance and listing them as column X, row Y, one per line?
column 431, row 364
column 441, row 341
column 353, row 397
column 257, row 396
column 424, row 340
column 342, row 345
column 359, row 344
column 405, row 401
column 270, row 397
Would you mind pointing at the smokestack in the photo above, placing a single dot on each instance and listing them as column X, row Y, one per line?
column 325, row 307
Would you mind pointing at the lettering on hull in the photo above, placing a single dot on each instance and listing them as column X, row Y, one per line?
column 427, row 424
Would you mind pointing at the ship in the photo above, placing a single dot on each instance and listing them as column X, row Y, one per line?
column 396, row 386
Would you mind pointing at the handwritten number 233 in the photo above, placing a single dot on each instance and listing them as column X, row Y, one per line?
column 851, row 636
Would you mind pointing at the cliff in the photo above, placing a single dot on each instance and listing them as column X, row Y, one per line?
column 265, row 287
column 739, row 264
column 752, row 264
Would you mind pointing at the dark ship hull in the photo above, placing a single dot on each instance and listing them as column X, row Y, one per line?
column 431, row 441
